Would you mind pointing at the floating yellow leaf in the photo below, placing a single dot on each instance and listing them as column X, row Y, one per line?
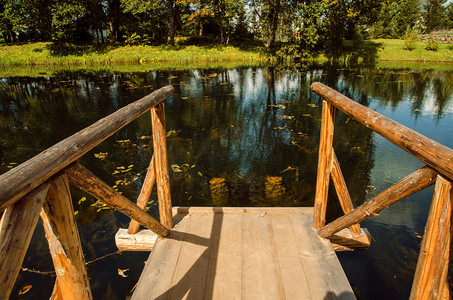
column 223, row 83
column 81, row 200
column 312, row 105
column 121, row 272
column 25, row 289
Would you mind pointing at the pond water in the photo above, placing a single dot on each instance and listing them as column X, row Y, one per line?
column 255, row 127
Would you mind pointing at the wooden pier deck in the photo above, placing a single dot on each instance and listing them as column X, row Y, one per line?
column 243, row 253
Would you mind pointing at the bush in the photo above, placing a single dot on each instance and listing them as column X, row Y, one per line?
column 432, row 45
column 410, row 39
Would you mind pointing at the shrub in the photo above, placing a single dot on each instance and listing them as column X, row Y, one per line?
column 410, row 39
column 432, row 45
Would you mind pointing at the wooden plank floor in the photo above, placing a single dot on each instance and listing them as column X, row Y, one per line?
column 243, row 253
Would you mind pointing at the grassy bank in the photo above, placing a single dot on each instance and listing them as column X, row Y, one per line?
column 392, row 50
column 48, row 54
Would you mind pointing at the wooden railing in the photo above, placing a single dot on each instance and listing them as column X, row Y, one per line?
column 40, row 186
column 430, row 280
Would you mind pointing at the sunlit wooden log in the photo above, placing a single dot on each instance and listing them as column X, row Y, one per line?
column 20, row 180
column 342, row 191
column 324, row 165
column 64, row 243
column 346, row 240
column 432, row 153
column 88, row 182
column 160, row 157
column 16, row 229
column 144, row 240
column 432, row 266
column 145, row 193
column 409, row 185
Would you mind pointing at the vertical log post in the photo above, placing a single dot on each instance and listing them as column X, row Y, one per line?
column 145, row 193
column 342, row 191
column 161, row 165
column 64, row 243
column 324, row 165
column 432, row 266
column 16, row 229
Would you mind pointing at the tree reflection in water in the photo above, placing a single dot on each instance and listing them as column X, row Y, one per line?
column 238, row 137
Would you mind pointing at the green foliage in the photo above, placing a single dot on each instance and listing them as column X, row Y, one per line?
column 66, row 16
column 395, row 17
column 434, row 17
column 432, row 45
column 410, row 39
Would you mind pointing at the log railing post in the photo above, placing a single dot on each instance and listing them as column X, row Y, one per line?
column 432, row 266
column 16, row 229
column 342, row 191
column 145, row 193
column 64, row 243
column 161, row 165
column 324, row 165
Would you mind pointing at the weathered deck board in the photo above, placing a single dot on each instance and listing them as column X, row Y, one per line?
column 243, row 253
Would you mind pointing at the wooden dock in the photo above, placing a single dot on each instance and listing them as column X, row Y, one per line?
column 243, row 253
column 222, row 253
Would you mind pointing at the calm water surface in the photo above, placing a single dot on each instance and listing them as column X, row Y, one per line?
column 249, row 126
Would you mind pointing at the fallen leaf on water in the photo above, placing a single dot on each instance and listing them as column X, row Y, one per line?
column 176, row 168
column 121, row 272
column 312, row 105
column 288, row 169
column 25, row 289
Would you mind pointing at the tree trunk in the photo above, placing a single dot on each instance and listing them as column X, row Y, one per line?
column 171, row 25
column 200, row 30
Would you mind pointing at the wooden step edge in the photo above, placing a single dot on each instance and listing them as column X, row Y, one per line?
column 144, row 240
column 241, row 210
column 345, row 240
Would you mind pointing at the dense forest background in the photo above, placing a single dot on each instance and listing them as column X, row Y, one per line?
column 309, row 26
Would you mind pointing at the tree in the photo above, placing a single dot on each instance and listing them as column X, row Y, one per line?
column 310, row 28
column 30, row 19
column 396, row 17
column 66, row 21
column 6, row 28
column 449, row 16
column 434, row 16
column 148, row 23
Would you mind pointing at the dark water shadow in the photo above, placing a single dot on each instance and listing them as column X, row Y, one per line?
column 342, row 296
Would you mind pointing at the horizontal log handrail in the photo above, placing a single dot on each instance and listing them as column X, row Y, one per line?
column 432, row 153
column 17, row 182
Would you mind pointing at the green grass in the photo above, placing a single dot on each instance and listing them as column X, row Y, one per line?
column 392, row 50
column 50, row 54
